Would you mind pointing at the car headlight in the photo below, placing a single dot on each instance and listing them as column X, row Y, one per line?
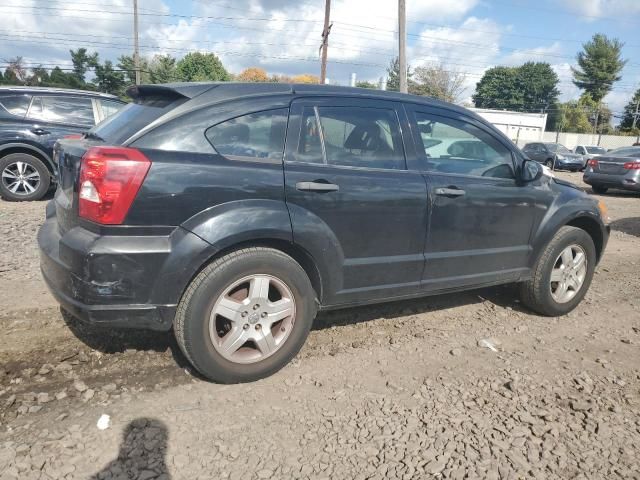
column 560, row 157
column 604, row 212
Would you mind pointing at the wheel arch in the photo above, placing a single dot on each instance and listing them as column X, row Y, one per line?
column 592, row 227
column 10, row 148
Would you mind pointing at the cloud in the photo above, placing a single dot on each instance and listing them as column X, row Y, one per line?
column 591, row 9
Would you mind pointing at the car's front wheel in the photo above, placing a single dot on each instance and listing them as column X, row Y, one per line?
column 562, row 274
column 549, row 163
column 23, row 177
column 246, row 315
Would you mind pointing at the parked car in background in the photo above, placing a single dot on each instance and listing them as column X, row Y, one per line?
column 619, row 168
column 188, row 211
column 554, row 155
column 32, row 119
column 589, row 151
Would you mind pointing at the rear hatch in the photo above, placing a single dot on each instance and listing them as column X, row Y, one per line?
column 150, row 103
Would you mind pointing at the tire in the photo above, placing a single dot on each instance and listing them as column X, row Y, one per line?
column 536, row 293
column 549, row 163
column 39, row 181
column 598, row 189
column 196, row 327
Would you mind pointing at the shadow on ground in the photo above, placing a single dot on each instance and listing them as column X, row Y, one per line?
column 630, row 226
column 142, row 452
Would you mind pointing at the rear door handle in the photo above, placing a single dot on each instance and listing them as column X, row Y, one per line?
column 317, row 187
column 40, row 131
column 449, row 192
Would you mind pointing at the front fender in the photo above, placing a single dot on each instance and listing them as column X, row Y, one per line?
column 567, row 207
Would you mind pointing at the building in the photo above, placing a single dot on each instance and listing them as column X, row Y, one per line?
column 519, row 127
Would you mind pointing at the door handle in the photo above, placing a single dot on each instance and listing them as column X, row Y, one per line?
column 317, row 187
column 449, row 192
column 40, row 131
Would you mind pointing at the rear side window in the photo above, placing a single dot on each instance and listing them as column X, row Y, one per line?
column 16, row 104
column 250, row 137
column 110, row 107
column 61, row 109
column 362, row 137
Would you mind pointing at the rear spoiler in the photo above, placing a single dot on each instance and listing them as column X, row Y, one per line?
column 168, row 91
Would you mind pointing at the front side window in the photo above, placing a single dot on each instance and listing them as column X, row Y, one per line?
column 362, row 137
column 250, row 137
column 457, row 147
column 61, row 109
column 15, row 104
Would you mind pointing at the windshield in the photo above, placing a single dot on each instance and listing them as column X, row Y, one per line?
column 557, row 147
column 596, row 150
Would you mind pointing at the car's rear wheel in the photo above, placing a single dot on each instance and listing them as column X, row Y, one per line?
column 549, row 163
column 23, row 177
column 599, row 189
column 562, row 275
column 246, row 315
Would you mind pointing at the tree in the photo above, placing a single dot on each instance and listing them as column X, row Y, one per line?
column 253, row 74
column 600, row 64
column 109, row 80
column 162, row 69
column 578, row 116
column 39, row 76
column 16, row 72
column 126, row 63
column 305, row 78
column 529, row 87
column 436, row 81
column 81, row 63
column 629, row 111
column 393, row 77
column 198, row 67
column 58, row 78
column 366, row 84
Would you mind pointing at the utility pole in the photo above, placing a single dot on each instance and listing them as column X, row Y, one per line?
column 635, row 115
column 402, row 45
column 136, row 49
column 325, row 41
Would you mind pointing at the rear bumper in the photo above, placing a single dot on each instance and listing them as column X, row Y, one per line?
column 120, row 281
column 624, row 182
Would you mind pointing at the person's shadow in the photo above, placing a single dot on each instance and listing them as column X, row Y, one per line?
column 142, row 453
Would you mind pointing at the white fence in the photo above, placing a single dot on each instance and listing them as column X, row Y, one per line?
column 571, row 140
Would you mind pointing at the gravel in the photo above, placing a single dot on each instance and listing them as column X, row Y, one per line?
column 402, row 390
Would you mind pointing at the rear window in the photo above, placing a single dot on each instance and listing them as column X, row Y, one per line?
column 131, row 119
column 15, row 104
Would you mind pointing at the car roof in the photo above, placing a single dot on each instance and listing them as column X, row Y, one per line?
column 208, row 91
column 60, row 91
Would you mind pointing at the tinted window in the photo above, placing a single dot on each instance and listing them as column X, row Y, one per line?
column 309, row 144
column 110, row 107
column 556, row 147
column 62, row 109
column 362, row 137
column 16, row 104
column 596, row 150
column 457, row 147
column 625, row 152
column 257, row 135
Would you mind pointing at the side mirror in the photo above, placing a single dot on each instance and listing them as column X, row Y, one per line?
column 530, row 171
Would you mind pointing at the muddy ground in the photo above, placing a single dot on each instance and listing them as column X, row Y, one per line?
column 400, row 390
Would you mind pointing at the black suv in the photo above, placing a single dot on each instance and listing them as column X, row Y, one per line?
column 31, row 120
column 233, row 212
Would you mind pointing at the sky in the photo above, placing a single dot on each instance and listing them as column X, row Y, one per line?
column 283, row 36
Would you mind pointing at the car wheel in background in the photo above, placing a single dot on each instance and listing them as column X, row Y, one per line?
column 246, row 315
column 562, row 274
column 599, row 189
column 549, row 163
column 23, row 177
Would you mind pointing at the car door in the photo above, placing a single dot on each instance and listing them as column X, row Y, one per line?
column 481, row 217
column 353, row 204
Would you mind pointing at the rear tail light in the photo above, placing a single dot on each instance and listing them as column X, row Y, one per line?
column 110, row 178
column 593, row 162
column 632, row 166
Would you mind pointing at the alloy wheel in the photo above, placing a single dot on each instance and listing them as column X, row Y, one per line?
column 568, row 274
column 252, row 318
column 21, row 178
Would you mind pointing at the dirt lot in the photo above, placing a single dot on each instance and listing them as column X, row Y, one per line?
column 401, row 390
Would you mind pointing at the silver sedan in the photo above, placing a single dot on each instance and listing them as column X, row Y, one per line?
column 619, row 168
